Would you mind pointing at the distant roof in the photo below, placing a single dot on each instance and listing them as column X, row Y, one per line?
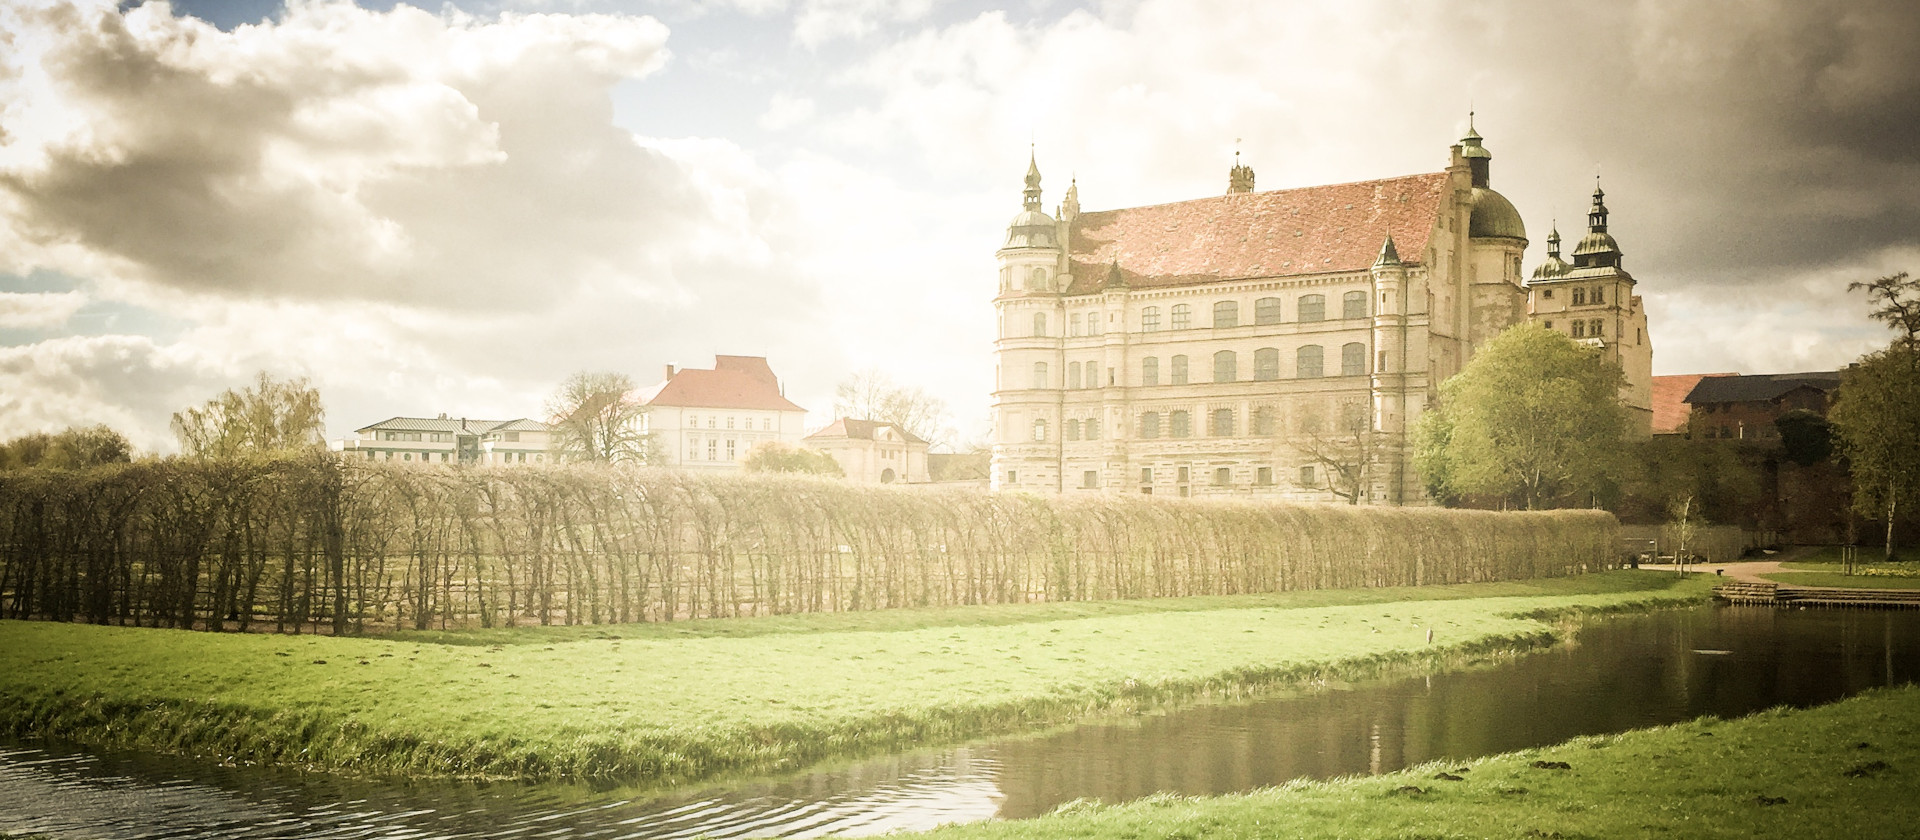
column 455, row 424
column 1670, row 408
column 1237, row 236
column 1766, row 386
column 850, row 429
column 740, row 382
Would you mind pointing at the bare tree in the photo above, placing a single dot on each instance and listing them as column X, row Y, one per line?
column 871, row 395
column 273, row 415
column 597, row 417
column 1896, row 299
column 1345, row 458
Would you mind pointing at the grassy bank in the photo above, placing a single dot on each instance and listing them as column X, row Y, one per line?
column 690, row 700
column 1823, row 568
column 1843, row 770
column 1844, row 580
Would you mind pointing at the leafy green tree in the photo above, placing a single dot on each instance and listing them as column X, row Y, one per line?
column 1876, row 416
column 1726, row 483
column 1806, row 438
column 272, row 415
column 1896, row 301
column 1534, row 417
column 598, row 417
column 776, row 457
column 71, row 449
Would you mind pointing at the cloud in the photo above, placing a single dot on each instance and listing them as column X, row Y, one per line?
column 340, row 153
column 819, row 22
column 785, row 111
column 38, row 310
column 127, row 382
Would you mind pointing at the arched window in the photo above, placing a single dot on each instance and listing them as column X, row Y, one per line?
column 1222, row 422
column 1037, row 281
column 1263, row 420
column 1039, row 325
column 1093, row 375
column 1178, row 375
column 1073, row 324
column 1149, row 371
column 1040, row 375
column 1579, row 297
column 1093, row 323
column 1226, row 366
column 1310, row 362
column 1599, row 295
column 1181, row 425
column 1073, row 374
column 1353, row 359
column 1266, row 364
column 1226, row 313
column 1071, row 430
column 1266, row 310
column 1150, row 319
column 1150, row 425
column 1040, row 429
column 1313, row 307
column 1091, row 428
column 1353, row 305
column 1182, row 315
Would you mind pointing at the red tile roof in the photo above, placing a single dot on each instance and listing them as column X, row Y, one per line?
column 1311, row 230
column 1670, row 408
column 851, row 429
column 743, row 382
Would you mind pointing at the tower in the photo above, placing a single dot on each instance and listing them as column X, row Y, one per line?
column 1032, row 324
column 1594, row 302
column 1390, row 368
column 1497, row 239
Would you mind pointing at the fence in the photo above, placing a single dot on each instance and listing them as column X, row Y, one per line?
column 317, row 544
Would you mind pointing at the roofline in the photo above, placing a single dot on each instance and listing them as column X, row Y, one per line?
column 1442, row 173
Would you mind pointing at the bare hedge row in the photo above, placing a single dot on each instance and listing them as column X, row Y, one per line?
column 319, row 544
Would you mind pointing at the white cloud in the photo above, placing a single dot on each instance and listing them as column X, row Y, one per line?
column 785, row 111
column 820, row 22
column 127, row 382
column 38, row 310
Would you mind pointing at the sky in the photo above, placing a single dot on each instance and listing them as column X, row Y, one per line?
column 451, row 208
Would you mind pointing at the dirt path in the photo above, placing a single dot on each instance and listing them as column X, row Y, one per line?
column 1747, row 570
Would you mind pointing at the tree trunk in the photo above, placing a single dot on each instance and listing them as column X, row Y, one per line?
column 1890, row 498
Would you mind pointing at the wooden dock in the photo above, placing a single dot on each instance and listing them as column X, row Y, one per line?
column 1776, row 595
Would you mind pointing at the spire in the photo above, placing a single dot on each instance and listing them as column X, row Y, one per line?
column 1389, row 255
column 1554, row 267
column 1478, row 158
column 1553, row 241
column 1597, row 217
column 1033, row 181
column 1240, row 177
column 1071, row 206
column 1114, row 278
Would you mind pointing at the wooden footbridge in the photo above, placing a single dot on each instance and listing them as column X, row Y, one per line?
column 1777, row 595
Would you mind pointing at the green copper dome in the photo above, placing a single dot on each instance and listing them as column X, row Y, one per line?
column 1493, row 215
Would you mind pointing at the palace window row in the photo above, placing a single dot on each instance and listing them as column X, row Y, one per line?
column 1309, row 363
column 1595, row 296
column 1266, row 310
column 1589, row 329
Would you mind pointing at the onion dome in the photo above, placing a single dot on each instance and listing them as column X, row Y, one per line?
column 1033, row 228
column 1597, row 248
column 1494, row 215
column 1554, row 268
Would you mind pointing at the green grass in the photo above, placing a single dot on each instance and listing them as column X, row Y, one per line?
column 669, row 703
column 1847, row 769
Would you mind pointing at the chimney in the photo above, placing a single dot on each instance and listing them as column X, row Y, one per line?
column 443, row 415
column 669, row 374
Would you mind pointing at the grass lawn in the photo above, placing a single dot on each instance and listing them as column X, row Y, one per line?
column 673, row 702
column 1843, row 770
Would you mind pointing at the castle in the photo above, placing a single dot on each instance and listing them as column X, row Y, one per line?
column 1275, row 343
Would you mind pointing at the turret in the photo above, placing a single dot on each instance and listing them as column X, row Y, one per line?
column 1554, row 267
column 1240, row 177
column 1597, row 249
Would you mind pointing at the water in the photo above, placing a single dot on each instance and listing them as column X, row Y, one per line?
column 1624, row 674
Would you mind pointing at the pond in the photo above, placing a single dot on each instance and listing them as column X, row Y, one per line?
column 1621, row 674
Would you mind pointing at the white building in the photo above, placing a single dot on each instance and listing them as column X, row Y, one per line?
column 872, row 451
column 446, row 440
column 710, row 419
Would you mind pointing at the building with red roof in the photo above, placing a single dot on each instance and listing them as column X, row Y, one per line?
column 1226, row 345
column 709, row 419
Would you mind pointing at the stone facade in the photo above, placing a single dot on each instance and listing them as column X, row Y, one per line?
column 1276, row 343
column 1593, row 301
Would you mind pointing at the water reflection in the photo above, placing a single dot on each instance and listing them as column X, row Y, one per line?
column 1624, row 674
